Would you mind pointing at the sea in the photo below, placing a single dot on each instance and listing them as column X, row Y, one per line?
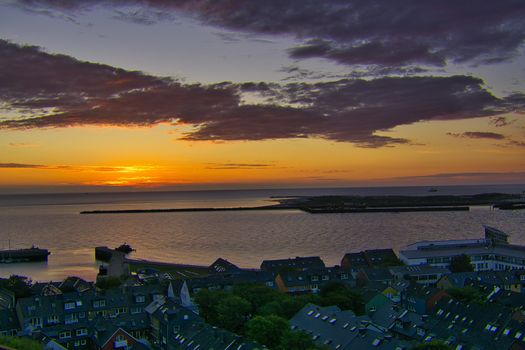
column 246, row 238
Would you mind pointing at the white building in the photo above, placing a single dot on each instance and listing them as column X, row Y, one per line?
column 492, row 253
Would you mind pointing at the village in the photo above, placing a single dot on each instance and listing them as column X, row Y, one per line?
column 460, row 294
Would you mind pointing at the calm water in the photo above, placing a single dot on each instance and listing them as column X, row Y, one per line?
column 245, row 238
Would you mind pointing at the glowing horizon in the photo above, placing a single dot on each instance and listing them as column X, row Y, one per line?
column 155, row 95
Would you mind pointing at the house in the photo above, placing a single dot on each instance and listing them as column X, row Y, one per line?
column 223, row 266
column 471, row 325
column 7, row 299
column 512, row 300
column 373, row 300
column 312, row 280
column 175, row 327
column 332, row 328
column 76, row 284
column 8, row 322
column 71, row 318
column 492, row 253
column 226, row 281
column 118, row 338
column 421, row 299
column 420, row 274
column 394, row 290
column 297, row 263
column 403, row 323
column 511, row 280
column 366, row 276
column 369, row 258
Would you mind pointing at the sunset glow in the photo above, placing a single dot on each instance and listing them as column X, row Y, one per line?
column 195, row 100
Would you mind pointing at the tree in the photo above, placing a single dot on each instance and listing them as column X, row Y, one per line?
column 343, row 296
column 296, row 341
column 467, row 294
column 258, row 295
column 267, row 330
column 461, row 263
column 20, row 343
column 232, row 313
column 19, row 285
column 208, row 301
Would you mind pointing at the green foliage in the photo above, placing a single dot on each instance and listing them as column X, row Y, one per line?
column 19, row 285
column 296, row 341
column 208, row 301
column 343, row 296
column 260, row 313
column 433, row 345
column 258, row 295
column 233, row 312
column 20, row 343
column 461, row 263
column 267, row 330
column 467, row 295
column 109, row 282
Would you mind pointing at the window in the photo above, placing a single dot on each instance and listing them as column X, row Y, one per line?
column 69, row 305
column 83, row 341
column 326, row 277
column 99, row 303
column 140, row 298
column 53, row 319
column 64, row 335
column 82, row 331
column 315, row 278
column 71, row 318
column 344, row 276
column 82, row 315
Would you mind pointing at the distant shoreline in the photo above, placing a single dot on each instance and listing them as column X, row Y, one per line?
column 358, row 204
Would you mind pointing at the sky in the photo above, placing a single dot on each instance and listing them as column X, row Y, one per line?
column 194, row 94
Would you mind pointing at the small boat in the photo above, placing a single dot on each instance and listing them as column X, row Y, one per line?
column 432, row 189
column 125, row 248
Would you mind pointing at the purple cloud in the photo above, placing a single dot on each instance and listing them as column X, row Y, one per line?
column 479, row 135
column 384, row 32
column 60, row 91
column 21, row 166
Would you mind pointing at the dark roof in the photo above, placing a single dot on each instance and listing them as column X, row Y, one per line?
column 509, row 299
column 333, row 328
column 421, row 292
column 377, row 274
column 315, row 276
column 223, row 266
column 485, row 326
column 292, row 263
column 190, row 331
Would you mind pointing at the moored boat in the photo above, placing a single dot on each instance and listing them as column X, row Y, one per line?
column 23, row 255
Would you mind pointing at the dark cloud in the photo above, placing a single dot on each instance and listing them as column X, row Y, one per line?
column 232, row 166
column 20, row 166
column 517, row 143
column 142, row 16
column 60, row 91
column 500, row 121
column 479, row 135
column 465, row 175
column 383, row 32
